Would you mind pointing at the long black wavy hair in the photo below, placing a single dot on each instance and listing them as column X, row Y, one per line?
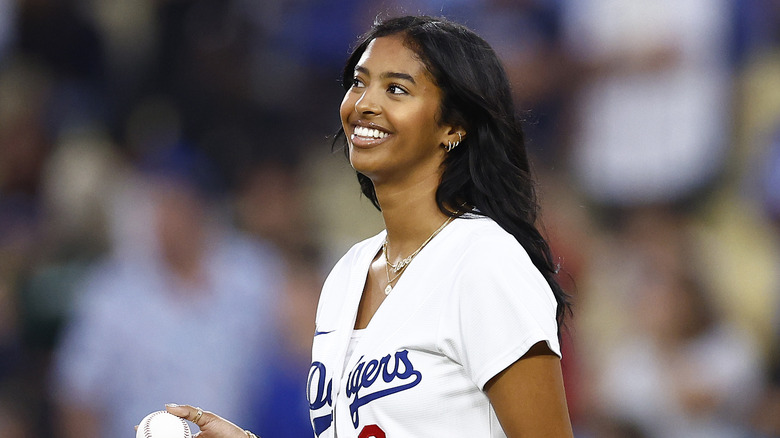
column 488, row 172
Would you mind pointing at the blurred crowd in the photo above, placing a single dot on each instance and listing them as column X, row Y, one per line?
column 170, row 204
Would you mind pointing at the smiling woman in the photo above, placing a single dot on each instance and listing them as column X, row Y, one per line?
column 446, row 323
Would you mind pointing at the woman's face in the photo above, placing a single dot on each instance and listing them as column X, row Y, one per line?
column 390, row 116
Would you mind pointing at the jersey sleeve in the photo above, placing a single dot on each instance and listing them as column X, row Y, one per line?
column 500, row 306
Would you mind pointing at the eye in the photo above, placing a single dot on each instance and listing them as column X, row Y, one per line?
column 357, row 83
column 396, row 89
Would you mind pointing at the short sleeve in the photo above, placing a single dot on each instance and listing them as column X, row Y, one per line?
column 500, row 306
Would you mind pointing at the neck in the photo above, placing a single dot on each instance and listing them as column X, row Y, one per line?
column 410, row 215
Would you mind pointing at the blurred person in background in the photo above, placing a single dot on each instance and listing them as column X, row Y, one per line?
column 651, row 114
column 682, row 369
column 181, row 294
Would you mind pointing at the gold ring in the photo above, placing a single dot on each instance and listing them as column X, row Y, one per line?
column 197, row 416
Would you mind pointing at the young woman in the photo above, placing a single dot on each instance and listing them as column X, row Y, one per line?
column 446, row 323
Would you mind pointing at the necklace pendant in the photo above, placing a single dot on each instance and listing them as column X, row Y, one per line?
column 388, row 289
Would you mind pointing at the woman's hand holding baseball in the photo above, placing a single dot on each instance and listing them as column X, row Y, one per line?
column 210, row 424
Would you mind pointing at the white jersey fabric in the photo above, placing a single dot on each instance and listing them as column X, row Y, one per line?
column 469, row 305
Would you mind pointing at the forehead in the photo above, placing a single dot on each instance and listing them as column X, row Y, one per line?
column 390, row 54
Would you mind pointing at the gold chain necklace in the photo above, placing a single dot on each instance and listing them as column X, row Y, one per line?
column 400, row 267
column 389, row 287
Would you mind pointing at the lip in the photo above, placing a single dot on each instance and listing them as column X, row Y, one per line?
column 366, row 142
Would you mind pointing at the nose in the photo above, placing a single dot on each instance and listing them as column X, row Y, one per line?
column 367, row 103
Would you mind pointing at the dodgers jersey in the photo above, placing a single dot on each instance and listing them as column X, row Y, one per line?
column 469, row 305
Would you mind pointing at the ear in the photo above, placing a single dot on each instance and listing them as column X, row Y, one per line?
column 454, row 137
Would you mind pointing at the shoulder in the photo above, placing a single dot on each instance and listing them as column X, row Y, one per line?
column 487, row 262
column 480, row 228
column 481, row 242
column 497, row 303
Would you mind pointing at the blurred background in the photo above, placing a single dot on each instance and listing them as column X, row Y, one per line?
column 170, row 204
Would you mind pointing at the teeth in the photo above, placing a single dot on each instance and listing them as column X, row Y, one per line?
column 368, row 132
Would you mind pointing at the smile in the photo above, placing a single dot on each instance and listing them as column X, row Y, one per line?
column 362, row 131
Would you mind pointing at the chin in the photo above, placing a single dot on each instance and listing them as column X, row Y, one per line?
column 364, row 161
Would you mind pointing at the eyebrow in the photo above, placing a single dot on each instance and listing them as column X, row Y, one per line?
column 389, row 74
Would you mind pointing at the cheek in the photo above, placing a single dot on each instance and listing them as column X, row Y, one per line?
column 346, row 108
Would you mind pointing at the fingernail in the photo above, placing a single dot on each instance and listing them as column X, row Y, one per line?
column 171, row 405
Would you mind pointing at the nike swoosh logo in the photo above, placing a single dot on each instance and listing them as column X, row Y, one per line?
column 317, row 332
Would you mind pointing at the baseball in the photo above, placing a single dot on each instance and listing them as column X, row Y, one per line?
column 161, row 424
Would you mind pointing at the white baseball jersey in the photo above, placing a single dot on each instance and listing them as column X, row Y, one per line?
column 469, row 305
